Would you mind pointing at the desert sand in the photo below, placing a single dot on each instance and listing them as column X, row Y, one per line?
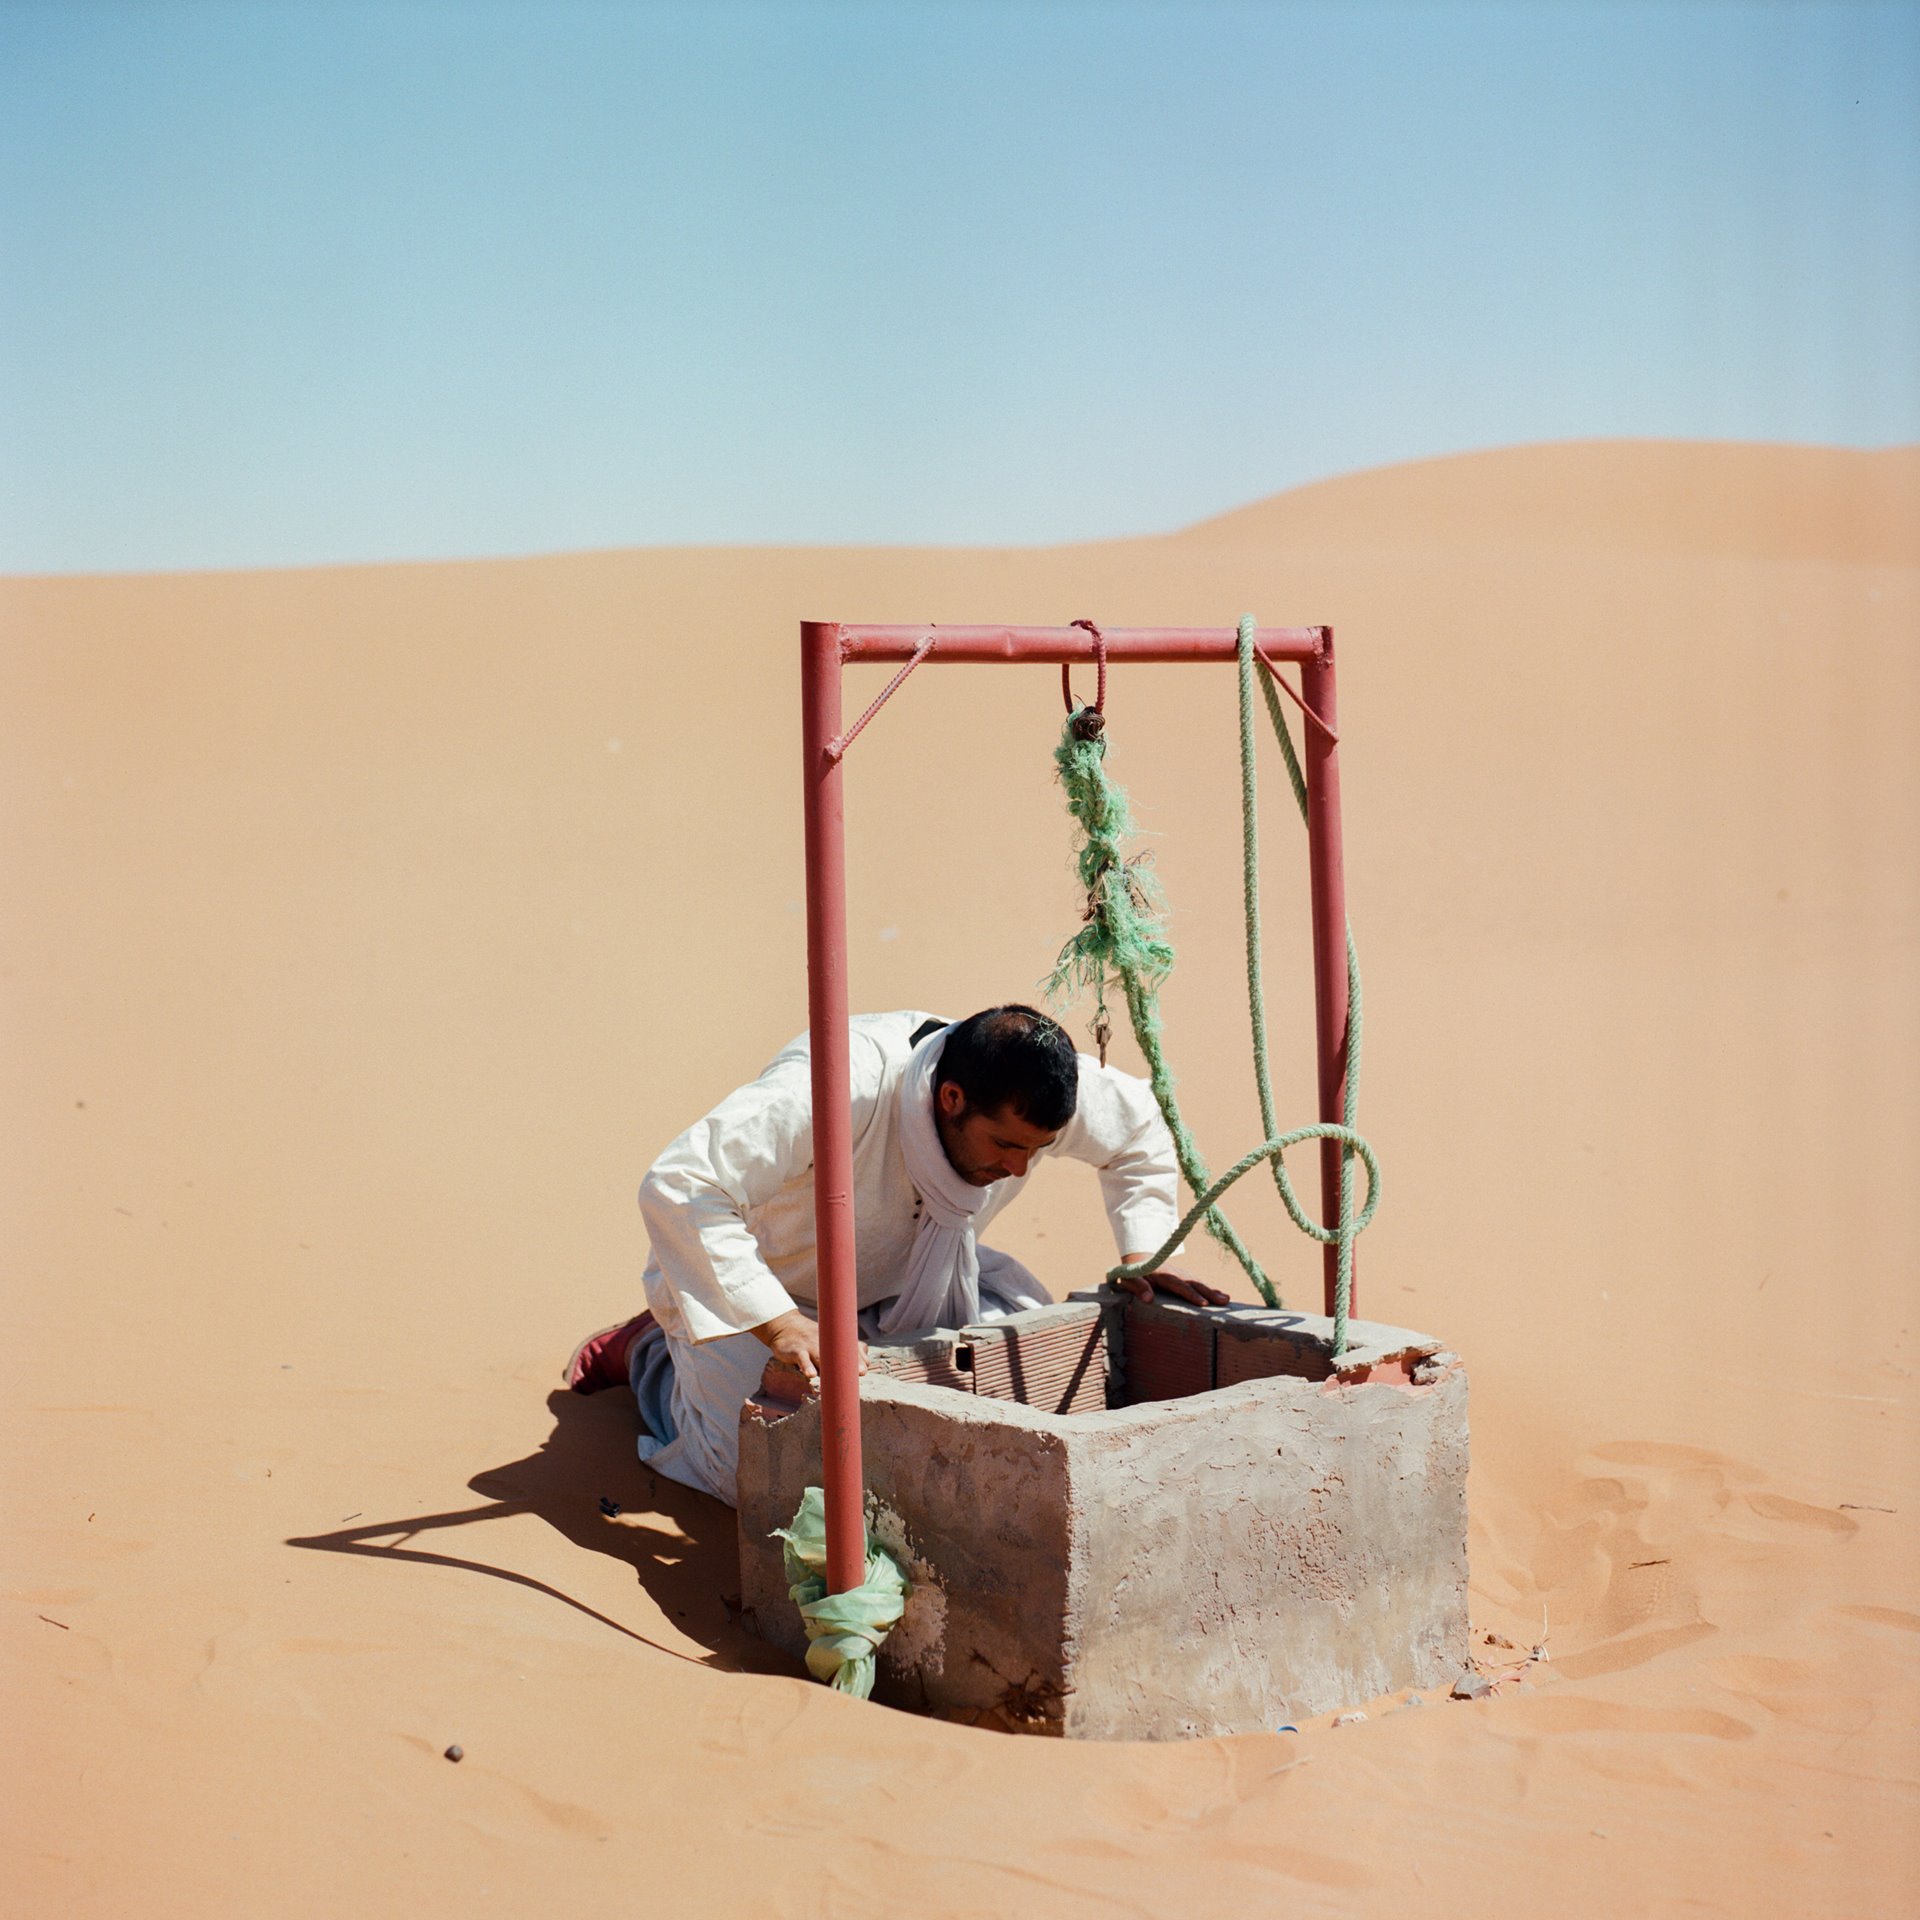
column 368, row 930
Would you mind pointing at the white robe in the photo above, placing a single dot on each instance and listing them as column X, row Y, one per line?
column 729, row 1209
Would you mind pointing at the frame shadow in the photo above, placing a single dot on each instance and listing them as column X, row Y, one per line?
column 683, row 1546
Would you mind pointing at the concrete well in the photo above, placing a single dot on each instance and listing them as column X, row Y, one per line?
column 1245, row 1535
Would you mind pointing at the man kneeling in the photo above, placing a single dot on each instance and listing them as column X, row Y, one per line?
column 947, row 1122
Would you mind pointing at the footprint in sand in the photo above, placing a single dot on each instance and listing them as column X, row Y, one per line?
column 1662, row 1453
column 1658, row 1553
column 1893, row 1617
column 1821, row 1694
column 1796, row 1513
column 1631, row 1650
column 1569, row 1713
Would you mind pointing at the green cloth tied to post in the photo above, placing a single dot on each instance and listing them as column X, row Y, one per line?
column 844, row 1630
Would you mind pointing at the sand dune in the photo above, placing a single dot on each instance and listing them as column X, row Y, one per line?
column 368, row 929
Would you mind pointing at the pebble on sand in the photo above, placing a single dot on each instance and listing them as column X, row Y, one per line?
column 456, row 1752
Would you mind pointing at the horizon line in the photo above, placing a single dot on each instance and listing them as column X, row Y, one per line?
column 523, row 557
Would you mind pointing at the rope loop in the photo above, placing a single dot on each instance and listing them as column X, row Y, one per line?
column 1274, row 1150
column 1089, row 723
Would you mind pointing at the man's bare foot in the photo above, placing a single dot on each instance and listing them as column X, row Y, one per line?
column 600, row 1360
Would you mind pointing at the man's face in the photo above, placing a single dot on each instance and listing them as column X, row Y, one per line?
column 985, row 1147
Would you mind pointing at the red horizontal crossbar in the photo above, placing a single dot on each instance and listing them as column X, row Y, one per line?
column 1043, row 646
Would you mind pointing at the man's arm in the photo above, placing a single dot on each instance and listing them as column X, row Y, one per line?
column 695, row 1200
column 794, row 1337
column 696, row 1196
column 1117, row 1129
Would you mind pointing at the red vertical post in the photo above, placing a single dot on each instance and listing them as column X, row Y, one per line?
column 1326, row 870
column 827, row 1012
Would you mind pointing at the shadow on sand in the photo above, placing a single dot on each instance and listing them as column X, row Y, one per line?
column 681, row 1545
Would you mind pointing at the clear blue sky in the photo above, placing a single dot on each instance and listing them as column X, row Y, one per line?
column 304, row 282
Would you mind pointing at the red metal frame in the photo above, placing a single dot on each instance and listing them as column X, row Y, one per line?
column 825, row 648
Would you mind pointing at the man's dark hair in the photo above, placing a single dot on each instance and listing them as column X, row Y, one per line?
column 1013, row 1057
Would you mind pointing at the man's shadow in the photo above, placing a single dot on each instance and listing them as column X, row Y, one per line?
column 682, row 1545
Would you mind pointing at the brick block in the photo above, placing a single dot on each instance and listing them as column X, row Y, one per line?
column 1252, row 1345
column 1054, row 1358
column 936, row 1358
column 1166, row 1351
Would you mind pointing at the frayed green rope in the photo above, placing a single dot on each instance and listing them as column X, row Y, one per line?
column 1125, row 937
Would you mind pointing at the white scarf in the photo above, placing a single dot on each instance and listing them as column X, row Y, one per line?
column 943, row 1272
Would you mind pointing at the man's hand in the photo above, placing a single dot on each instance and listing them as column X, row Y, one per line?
column 794, row 1339
column 1196, row 1293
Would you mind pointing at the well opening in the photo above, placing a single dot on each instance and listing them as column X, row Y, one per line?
column 1106, row 1349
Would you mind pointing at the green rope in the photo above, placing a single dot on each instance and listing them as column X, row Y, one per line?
column 1271, row 1150
column 1124, row 936
column 1350, row 1107
column 1250, row 890
column 844, row 1630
